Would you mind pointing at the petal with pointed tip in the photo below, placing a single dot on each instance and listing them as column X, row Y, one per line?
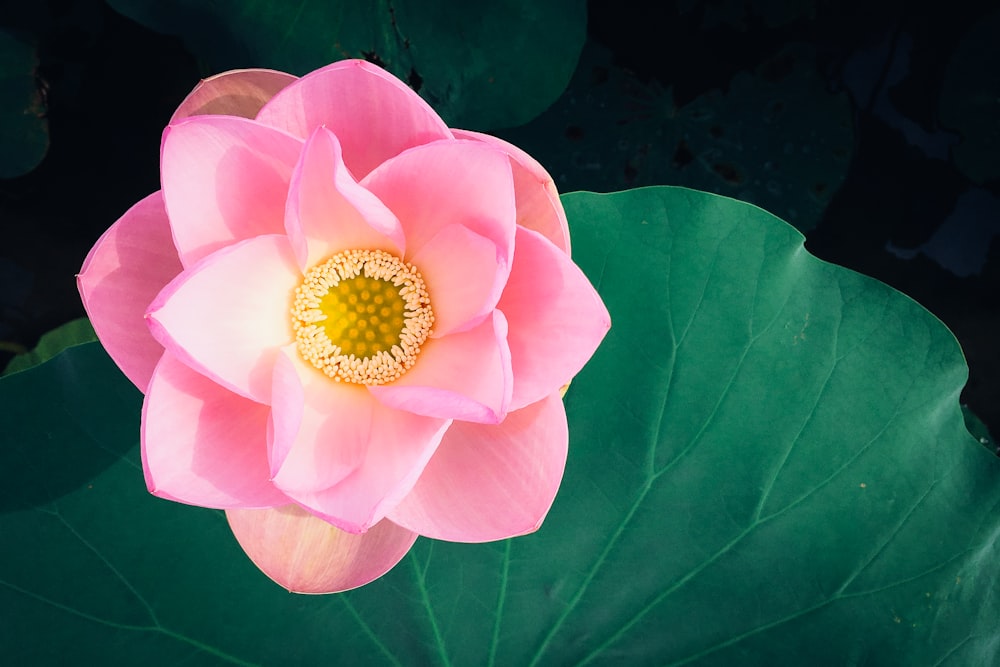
column 240, row 92
column 538, row 204
column 228, row 315
column 225, row 179
column 352, row 458
column 373, row 113
column 202, row 444
column 123, row 273
column 490, row 482
column 556, row 318
column 465, row 376
column 304, row 554
column 459, row 268
column 328, row 212
column 450, row 183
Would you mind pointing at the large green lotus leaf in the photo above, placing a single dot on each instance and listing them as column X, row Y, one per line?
column 768, row 466
column 24, row 130
column 480, row 65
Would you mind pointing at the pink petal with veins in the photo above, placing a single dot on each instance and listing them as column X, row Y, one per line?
column 228, row 315
column 556, row 318
column 123, row 273
column 490, row 482
column 225, row 179
column 240, row 92
column 465, row 376
column 459, row 268
column 352, row 458
column 305, row 554
column 374, row 114
column 202, row 444
column 538, row 204
column 450, row 183
column 328, row 212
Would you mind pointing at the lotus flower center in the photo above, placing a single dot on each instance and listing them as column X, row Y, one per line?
column 361, row 316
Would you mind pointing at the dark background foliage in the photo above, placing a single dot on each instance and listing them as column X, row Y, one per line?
column 663, row 94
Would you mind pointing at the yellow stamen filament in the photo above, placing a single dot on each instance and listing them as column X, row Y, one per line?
column 361, row 316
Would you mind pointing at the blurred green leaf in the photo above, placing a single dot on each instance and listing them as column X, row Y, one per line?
column 776, row 137
column 740, row 14
column 768, row 466
column 24, row 130
column 75, row 332
column 480, row 65
column 969, row 97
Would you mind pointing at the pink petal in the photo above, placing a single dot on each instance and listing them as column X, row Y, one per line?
column 556, row 318
column 538, row 204
column 307, row 555
column 450, row 183
column 228, row 315
column 122, row 274
column 328, row 212
column 460, row 269
column 463, row 376
column 225, row 179
column 240, row 92
column 202, row 444
column 490, row 482
column 374, row 114
column 352, row 459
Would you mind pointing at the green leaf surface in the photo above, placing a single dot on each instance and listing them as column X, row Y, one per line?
column 24, row 130
column 74, row 332
column 768, row 466
column 480, row 65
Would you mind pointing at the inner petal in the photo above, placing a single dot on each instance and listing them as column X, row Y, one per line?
column 361, row 316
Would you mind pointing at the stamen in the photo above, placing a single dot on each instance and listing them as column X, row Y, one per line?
column 361, row 316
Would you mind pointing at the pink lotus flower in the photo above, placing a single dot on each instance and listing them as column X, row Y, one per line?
column 350, row 322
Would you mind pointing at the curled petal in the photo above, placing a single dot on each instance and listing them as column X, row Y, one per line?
column 239, row 92
column 328, row 211
column 490, row 482
column 351, row 459
column 202, row 444
column 465, row 376
column 373, row 113
column 557, row 320
column 304, row 554
column 446, row 183
column 123, row 273
column 228, row 315
column 538, row 204
column 225, row 179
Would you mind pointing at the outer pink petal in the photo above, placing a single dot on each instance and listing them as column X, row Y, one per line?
column 328, row 211
column 225, row 179
column 202, row 444
column 374, row 115
column 538, row 204
column 122, row 274
column 240, row 92
column 307, row 555
column 447, row 183
column 491, row 482
column 460, row 269
column 228, row 315
column 556, row 318
column 352, row 459
column 463, row 376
